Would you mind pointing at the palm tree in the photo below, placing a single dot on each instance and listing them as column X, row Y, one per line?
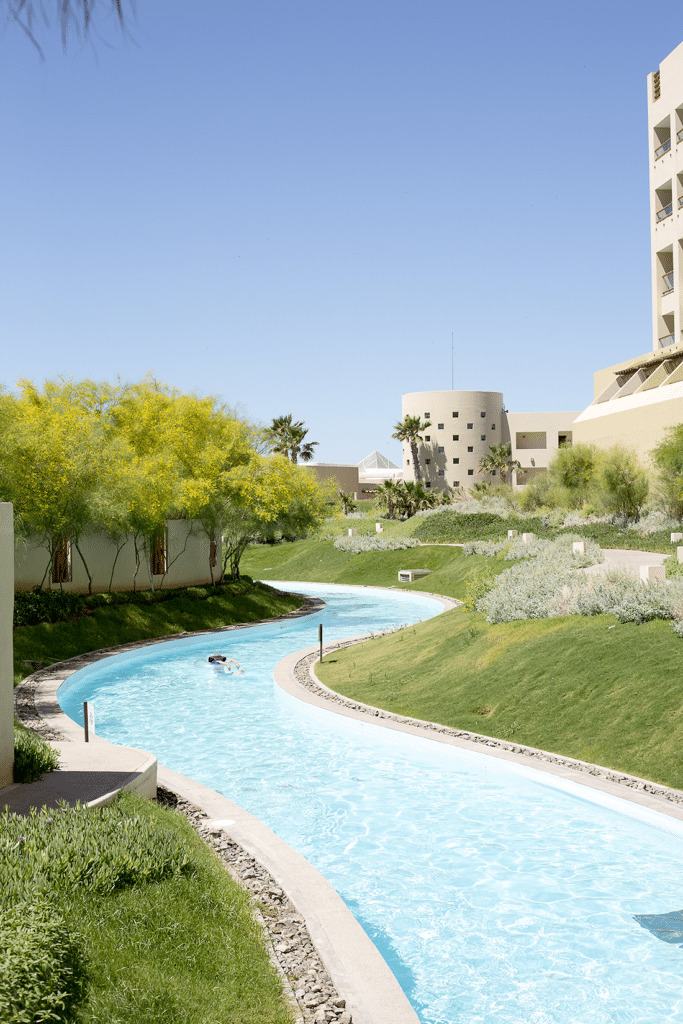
column 499, row 459
column 389, row 492
column 287, row 438
column 413, row 497
column 72, row 14
column 409, row 430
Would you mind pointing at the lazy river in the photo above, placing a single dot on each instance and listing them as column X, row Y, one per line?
column 495, row 892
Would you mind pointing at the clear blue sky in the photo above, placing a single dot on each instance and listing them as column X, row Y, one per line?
column 294, row 203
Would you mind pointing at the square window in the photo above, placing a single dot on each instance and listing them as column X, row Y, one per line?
column 456, row 437
column 470, row 426
column 455, row 415
column 441, row 472
column 470, row 472
column 427, row 437
column 456, row 462
column 428, row 461
column 470, row 449
column 427, row 415
column 407, row 462
column 483, row 437
column 441, row 450
column 428, row 483
column 456, row 483
column 493, row 426
column 439, row 426
column 493, row 472
column 483, row 415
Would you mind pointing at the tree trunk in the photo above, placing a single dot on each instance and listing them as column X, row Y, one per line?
column 416, row 461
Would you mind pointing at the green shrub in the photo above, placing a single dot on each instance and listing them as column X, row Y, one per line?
column 97, row 850
column 41, row 973
column 674, row 568
column 449, row 526
column 34, row 606
column 477, row 586
column 33, row 757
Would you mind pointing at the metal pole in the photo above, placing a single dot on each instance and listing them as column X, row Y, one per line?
column 451, row 360
column 320, row 638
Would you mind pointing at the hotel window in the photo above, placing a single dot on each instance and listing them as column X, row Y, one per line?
column 441, row 450
column 427, row 437
column 470, row 449
column 493, row 426
column 455, row 415
column 456, row 462
column 439, row 426
column 407, row 462
column 493, row 472
column 428, row 483
column 470, row 426
column 456, row 483
column 427, row 415
column 483, row 437
column 483, row 415
column 441, row 472
column 470, row 472
column 456, row 437
column 427, row 461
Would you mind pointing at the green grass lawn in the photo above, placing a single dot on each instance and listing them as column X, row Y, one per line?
column 119, row 624
column 320, row 562
column 590, row 688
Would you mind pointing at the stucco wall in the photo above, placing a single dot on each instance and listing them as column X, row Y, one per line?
column 6, row 660
column 528, row 429
column 346, row 476
column 188, row 561
column 479, row 423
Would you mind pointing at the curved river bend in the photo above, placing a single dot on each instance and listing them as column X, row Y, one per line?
column 496, row 893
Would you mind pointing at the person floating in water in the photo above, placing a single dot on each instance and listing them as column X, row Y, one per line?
column 223, row 664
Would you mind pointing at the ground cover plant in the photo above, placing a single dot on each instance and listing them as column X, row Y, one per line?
column 33, row 757
column 591, row 688
column 112, row 619
column 123, row 914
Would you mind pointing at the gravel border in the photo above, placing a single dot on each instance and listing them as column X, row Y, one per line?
column 307, row 984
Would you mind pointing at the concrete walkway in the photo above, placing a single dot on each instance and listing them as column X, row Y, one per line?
column 617, row 558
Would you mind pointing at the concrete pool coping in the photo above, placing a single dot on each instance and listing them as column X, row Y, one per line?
column 358, row 970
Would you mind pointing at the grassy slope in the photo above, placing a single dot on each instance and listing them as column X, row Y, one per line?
column 573, row 685
column 108, row 626
column 570, row 685
column 182, row 951
column 320, row 562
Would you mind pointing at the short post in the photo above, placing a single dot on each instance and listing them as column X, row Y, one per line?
column 379, row 528
column 353, row 533
column 579, row 547
column 650, row 573
column 512, row 534
column 320, row 639
column 675, row 537
column 528, row 537
column 88, row 720
column 679, row 554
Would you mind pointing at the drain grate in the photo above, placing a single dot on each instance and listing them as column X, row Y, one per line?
column 667, row 927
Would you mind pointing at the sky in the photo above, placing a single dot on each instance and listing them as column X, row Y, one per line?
column 314, row 206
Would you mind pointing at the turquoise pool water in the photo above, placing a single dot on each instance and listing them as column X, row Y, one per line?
column 496, row 893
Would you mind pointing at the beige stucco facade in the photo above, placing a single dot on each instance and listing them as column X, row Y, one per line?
column 635, row 401
column 464, row 425
column 187, row 559
column 345, row 475
column 6, row 659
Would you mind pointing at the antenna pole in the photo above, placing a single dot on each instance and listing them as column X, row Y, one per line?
column 451, row 360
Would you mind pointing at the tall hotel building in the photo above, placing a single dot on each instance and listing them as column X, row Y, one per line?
column 635, row 401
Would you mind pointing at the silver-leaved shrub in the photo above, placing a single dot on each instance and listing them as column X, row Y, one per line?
column 356, row 545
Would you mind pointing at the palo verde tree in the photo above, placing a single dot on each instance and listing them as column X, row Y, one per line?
column 410, row 430
column 624, row 483
column 668, row 460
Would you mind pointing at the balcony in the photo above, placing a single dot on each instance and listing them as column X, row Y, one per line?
column 664, row 148
column 665, row 211
column 680, row 201
column 679, row 137
column 666, row 341
column 668, row 280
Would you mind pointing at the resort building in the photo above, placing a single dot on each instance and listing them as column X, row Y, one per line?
column 464, row 425
column 636, row 400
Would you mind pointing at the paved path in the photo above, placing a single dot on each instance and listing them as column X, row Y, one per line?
column 617, row 558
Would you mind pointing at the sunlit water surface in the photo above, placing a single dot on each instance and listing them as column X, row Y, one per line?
column 496, row 893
